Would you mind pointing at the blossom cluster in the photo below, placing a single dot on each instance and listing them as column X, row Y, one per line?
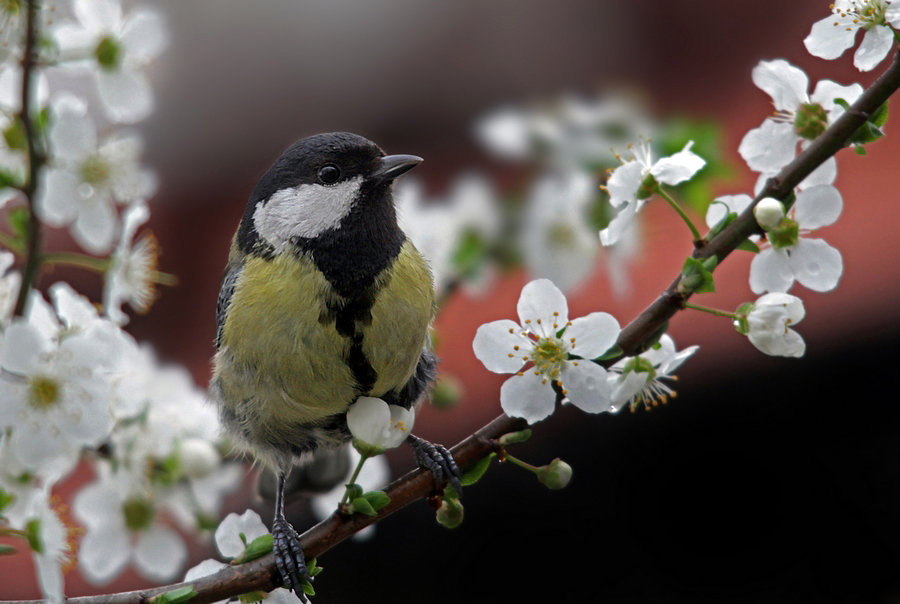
column 75, row 387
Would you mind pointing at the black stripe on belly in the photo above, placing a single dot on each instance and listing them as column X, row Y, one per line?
column 350, row 316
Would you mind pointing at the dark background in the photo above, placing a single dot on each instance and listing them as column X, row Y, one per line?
column 766, row 480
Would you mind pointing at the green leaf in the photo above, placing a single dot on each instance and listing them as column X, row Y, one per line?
column 474, row 474
column 175, row 596
column 7, row 550
column 354, row 491
column 613, row 353
column 5, row 499
column 313, row 568
column 377, row 499
column 257, row 548
column 19, row 219
column 362, row 505
column 748, row 246
column 696, row 277
column 512, row 438
column 307, row 588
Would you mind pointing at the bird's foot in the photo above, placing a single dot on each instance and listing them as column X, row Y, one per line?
column 289, row 557
column 437, row 460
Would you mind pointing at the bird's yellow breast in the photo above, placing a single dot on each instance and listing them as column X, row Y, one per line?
column 283, row 361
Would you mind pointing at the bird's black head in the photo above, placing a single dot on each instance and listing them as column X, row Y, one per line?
column 328, row 194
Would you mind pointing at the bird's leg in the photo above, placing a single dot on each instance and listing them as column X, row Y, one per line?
column 286, row 543
column 437, row 460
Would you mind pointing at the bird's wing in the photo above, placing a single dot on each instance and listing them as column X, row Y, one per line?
column 422, row 378
column 228, row 284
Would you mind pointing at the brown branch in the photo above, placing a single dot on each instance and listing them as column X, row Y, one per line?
column 261, row 574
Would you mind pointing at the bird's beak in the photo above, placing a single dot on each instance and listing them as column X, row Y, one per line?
column 393, row 166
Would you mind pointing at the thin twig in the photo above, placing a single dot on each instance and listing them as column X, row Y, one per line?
column 36, row 158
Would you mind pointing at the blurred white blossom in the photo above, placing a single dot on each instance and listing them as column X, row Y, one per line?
column 116, row 50
column 123, row 526
column 88, row 177
column 131, row 278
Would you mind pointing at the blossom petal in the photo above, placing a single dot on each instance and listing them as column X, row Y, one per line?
column 20, row 348
column 818, row 206
column 816, row 264
column 100, row 16
column 205, row 568
column 104, row 553
column 770, row 272
column 160, row 553
column 770, row 147
column 494, row 343
column 592, row 335
column 542, row 308
column 724, row 205
column 127, row 95
column 623, row 387
column 826, row 91
column 679, row 167
column 228, row 533
column 876, row 44
column 95, row 225
column 619, row 225
column 144, row 35
column 829, row 38
column 586, row 386
column 624, row 182
column 526, row 396
column 785, row 83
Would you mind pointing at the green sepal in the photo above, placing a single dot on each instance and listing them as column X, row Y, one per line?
column 512, row 438
column 748, row 246
column 257, row 548
column 740, row 324
column 696, row 276
column 354, row 491
column 251, row 597
column 8, row 179
column 175, row 596
column 7, row 550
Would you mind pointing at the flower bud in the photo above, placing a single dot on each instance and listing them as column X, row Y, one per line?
column 768, row 212
column 450, row 514
column 198, row 457
column 555, row 475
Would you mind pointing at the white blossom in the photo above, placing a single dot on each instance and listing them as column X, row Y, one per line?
column 628, row 188
column 791, row 256
column 639, row 380
column 506, row 347
column 56, row 546
column 768, row 325
column 831, row 36
column 375, row 423
column 115, row 49
column 798, row 116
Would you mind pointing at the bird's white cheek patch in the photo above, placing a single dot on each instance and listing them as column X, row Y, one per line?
column 304, row 211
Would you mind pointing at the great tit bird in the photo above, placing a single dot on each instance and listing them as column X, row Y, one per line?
column 324, row 300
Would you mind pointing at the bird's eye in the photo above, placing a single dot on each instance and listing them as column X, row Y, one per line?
column 329, row 174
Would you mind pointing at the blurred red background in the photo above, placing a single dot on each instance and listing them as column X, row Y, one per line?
column 765, row 480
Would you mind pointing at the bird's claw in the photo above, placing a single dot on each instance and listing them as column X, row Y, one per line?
column 437, row 460
column 289, row 557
